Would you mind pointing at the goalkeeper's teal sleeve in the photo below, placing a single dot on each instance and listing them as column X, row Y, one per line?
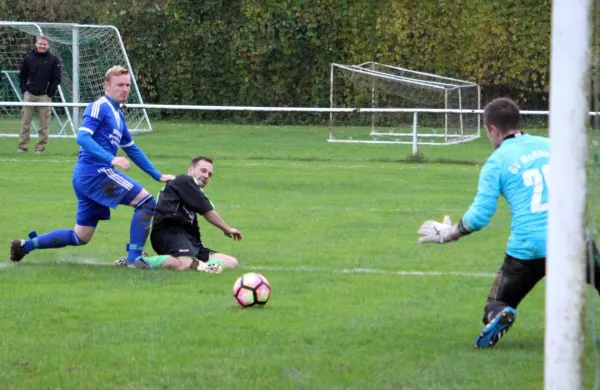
column 484, row 206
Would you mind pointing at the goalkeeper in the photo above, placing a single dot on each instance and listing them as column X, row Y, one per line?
column 518, row 170
column 175, row 234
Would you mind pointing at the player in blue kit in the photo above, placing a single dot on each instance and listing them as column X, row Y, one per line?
column 518, row 170
column 97, row 185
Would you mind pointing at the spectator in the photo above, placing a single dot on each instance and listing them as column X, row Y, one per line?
column 39, row 79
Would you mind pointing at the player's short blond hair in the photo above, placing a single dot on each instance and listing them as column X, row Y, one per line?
column 116, row 70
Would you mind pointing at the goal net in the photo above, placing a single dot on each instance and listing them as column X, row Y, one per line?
column 10, row 116
column 85, row 52
column 392, row 93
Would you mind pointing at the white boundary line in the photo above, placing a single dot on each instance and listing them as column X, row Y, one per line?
column 345, row 271
column 18, row 160
column 281, row 163
column 370, row 271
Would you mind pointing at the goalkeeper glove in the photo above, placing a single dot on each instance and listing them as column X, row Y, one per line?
column 438, row 232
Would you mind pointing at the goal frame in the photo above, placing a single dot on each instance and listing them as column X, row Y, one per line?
column 63, row 124
column 447, row 84
column 570, row 70
column 69, row 126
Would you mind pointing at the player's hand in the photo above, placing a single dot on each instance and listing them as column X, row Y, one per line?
column 120, row 162
column 438, row 232
column 233, row 233
column 166, row 178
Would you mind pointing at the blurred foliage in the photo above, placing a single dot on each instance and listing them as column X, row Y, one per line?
column 273, row 53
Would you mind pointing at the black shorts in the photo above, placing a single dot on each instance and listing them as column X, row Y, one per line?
column 179, row 243
column 515, row 279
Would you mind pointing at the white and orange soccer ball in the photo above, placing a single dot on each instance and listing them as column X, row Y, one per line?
column 251, row 289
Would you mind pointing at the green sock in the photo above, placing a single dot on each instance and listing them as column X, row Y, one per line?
column 215, row 261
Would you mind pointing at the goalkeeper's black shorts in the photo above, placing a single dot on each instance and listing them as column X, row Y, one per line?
column 178, row 243
column 516, row 278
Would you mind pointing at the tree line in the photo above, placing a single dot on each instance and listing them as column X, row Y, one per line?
column 273, row 53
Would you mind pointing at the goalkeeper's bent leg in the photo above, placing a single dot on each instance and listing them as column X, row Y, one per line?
column 593, row 268
column 513, row 282
column 597, row 277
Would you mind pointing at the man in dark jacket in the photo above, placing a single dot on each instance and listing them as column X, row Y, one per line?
column 39, row 78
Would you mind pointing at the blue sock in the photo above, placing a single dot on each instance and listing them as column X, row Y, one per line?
column 54, row 239
column 140, row 226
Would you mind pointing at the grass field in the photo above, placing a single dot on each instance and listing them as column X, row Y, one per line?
column 356, row 302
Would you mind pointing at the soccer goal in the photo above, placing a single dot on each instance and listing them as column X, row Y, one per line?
column 10, row 117
column 85, row 51
column 402, row 106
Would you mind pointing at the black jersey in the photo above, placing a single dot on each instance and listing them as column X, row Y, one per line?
column 178, row 203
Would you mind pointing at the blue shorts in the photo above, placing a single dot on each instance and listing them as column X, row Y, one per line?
column 98, row 192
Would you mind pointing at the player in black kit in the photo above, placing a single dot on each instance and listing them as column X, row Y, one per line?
column 175, row 234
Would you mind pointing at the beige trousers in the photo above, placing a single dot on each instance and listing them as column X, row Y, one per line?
column 26, row 118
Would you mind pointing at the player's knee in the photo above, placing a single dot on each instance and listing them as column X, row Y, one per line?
column 147, row 206
column 79, row 241
column 82, row 234
column 189, row 264
column 230, row 262
column 178, row 264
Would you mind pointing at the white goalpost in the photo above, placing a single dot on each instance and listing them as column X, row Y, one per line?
column 85, row 52
column 10, row 78
column 566, row 260
column 380, row 86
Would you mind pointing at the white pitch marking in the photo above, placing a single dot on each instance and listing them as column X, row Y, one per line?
column 351, row 271
column 322, row 164
column 372, row 271
column 17, row 160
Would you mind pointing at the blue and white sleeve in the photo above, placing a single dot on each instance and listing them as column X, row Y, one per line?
column 139, row 158
column 126, row 139
column 484, row 206
column 92, row 119
column 137, row 155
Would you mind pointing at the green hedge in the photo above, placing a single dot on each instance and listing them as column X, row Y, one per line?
column 273, row 53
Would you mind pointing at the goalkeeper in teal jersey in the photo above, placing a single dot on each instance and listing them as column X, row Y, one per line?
column 518, row 170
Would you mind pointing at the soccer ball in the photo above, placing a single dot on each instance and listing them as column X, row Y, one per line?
column 251, row 289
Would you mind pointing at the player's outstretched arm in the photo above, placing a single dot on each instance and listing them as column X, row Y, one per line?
column 139, row 158
column 477, row 216
column 215, row 219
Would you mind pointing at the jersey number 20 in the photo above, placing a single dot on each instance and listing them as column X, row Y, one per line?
column 535, row 178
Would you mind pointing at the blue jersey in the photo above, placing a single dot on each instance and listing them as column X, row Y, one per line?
column 518, row 170
column 106, row 123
